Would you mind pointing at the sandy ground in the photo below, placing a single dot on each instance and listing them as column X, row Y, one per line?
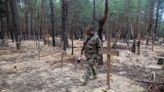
column 22, row 71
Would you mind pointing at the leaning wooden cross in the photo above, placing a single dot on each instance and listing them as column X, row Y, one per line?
column 108, row 51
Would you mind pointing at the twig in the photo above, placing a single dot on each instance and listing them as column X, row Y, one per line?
column 149, row 88
column 154, row 77
column 147, row 81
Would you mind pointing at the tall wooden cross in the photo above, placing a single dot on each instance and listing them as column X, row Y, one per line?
column 108, row 51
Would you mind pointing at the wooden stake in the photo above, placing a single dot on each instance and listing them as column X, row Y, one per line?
column 108, row 51
column 138, row 44
column 153, row 41
column 62, row 56
column 108, row 61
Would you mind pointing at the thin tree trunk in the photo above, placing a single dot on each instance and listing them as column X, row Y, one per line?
column 72, row 36
column 9, row 22
column 134, row 39
column 136, row 30
column 52, row 23
column 39, row 37
column 31, row 26
column 72, row 45
column 156, row 25
column 101, row 24
column 127, row 20
column 2, row 32
column 63, row 25
column 43, row 22
column 94, row 14
column 15, row 26
column 103, row 19
column 150, row 23
column 157, row 15
column 26, row 18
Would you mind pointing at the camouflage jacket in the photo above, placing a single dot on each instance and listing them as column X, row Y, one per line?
column 91, row 48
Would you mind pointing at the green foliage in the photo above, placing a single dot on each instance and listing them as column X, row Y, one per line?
column 86, row 10
column 82, row 10
column 117, row 6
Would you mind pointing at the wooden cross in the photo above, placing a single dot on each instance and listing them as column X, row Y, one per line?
column 108, row 51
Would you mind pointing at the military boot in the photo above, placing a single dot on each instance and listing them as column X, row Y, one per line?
column 93, row 77
column 83, row 82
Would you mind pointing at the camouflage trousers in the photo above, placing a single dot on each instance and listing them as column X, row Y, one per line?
column 90, row 68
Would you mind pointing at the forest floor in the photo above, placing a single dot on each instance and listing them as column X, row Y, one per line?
column 22, row 71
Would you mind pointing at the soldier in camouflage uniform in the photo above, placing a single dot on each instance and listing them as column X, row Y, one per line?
column 91, row 50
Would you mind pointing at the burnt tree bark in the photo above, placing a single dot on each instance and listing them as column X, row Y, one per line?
column 101, row 22
column 103, row 19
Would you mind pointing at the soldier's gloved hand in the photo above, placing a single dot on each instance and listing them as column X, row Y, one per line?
column 79, row 59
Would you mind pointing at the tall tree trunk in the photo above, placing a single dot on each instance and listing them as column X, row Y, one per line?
column 31, row 26
column 63, row 25
column 94, row 14
column 157, row 15
column 43, row 22
column 15, row 25
column 72, row 43
column 126, row 21
column 26, row 18
column 103, row 19
column 156, row 25
column 150, row 22
column 52, row 23
column 136, row 29
column 39, row 28
column 72, row 35
column 2, row 30
column 101, row 24
column 9, row 22
column 134, row 39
